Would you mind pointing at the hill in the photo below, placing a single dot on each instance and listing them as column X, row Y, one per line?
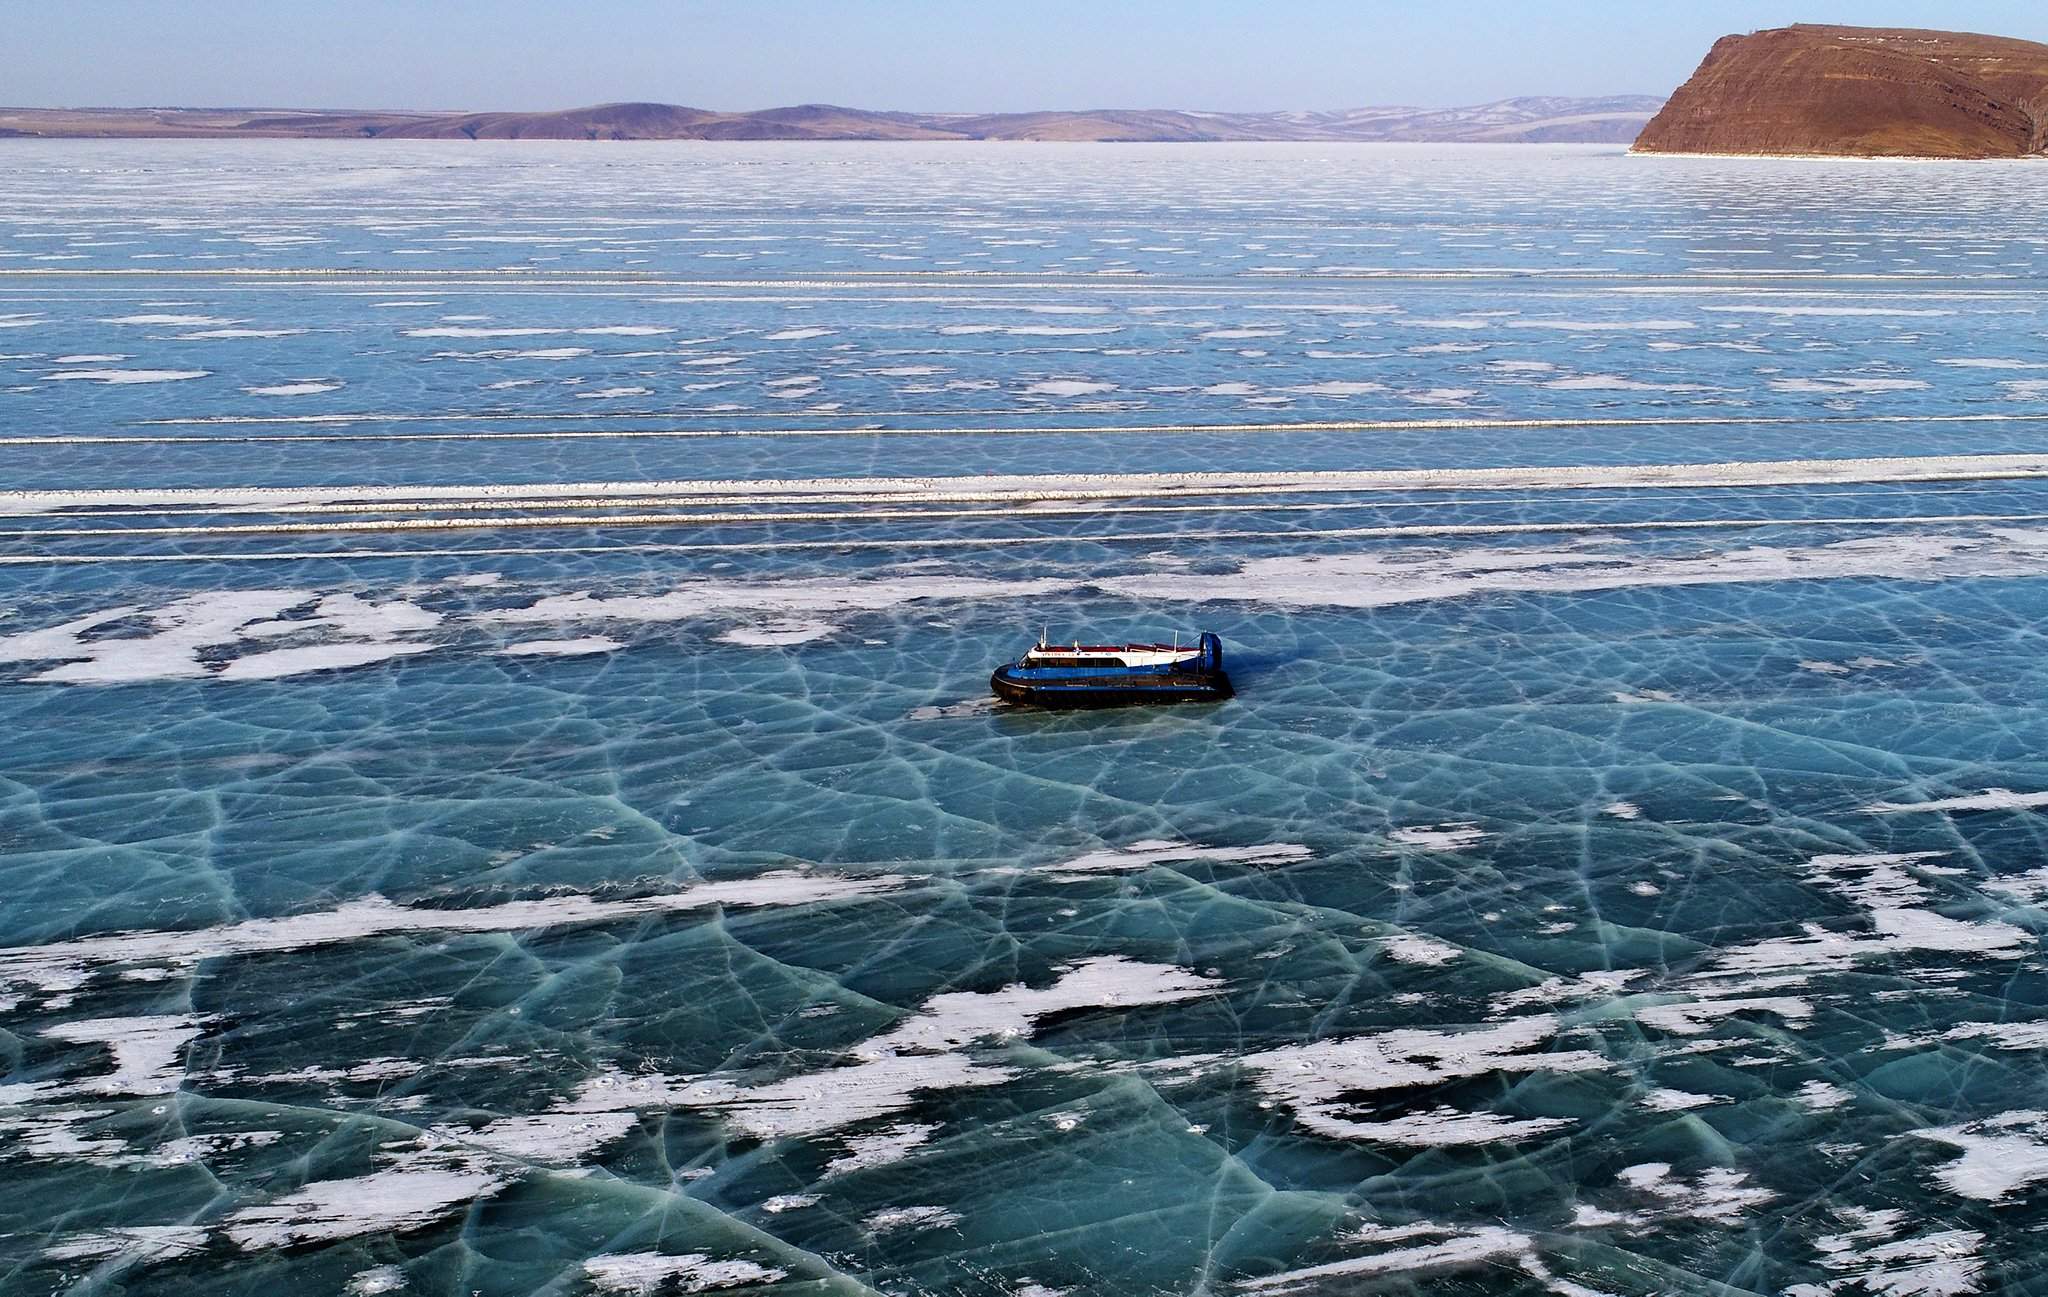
column 1860, row 92
column 1615, row 119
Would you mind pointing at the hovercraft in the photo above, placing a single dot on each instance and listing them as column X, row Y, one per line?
column 1110, row 675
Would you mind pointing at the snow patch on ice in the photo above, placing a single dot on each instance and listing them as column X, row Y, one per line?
column 1994, row 799
column 1146, row 854
column 64, row 965
column 804, row 596
column 1439, row 837
column 126, row 376
column 1696, row 1017
column 1455, row 1249
column 145, row 1050
column 926, row 1052
column 1320, row 1081
column 190, row 321
column 419, row 1186
column 562, row 647
column 2000, row 1155
column 644, row 1273
column 1068, row 387
column 310, row 387
column 881, row 1147
column 137, row 1244
column 775, row 634
column 1409, row 948
column 895, row 1218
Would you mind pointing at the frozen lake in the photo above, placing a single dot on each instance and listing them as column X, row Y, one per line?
column 499, row 793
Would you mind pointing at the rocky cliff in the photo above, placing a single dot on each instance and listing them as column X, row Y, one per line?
column 1860, row 92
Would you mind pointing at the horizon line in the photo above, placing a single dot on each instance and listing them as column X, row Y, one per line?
column 810, row 103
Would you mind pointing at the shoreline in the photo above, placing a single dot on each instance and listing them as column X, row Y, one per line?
column 1635, row 152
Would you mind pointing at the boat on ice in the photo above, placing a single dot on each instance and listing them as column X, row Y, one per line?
column 1108, row 675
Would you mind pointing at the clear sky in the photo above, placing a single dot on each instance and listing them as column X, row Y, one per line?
column 995, row 55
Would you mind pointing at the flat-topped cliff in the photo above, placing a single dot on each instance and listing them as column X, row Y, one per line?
column 1860, row 92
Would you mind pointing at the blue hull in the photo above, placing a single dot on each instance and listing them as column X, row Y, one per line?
column 1108, row 690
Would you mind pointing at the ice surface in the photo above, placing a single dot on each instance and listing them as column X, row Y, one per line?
column 501, row 795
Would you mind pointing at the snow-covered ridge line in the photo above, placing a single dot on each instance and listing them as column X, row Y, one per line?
column 1789, row 472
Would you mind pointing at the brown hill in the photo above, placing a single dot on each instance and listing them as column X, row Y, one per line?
column 1860, row 92
column 1545, row 120
column 603, row 122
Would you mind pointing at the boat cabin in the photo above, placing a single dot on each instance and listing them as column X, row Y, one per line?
column 1108, row 656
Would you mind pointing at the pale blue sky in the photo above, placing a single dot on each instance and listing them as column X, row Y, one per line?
column 903, row 54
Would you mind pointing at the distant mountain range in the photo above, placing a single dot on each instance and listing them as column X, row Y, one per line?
column 1540, row 120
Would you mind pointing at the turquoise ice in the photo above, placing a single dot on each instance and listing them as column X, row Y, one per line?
column 498, row 793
